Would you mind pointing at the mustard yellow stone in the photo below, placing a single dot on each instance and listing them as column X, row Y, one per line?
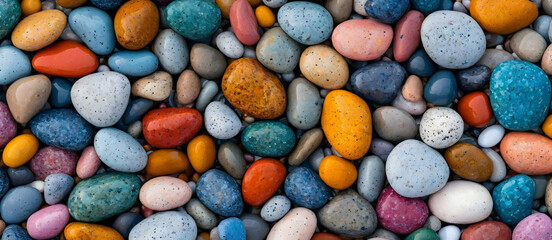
column 71, row 3
column 89, row 231
column 20, row 150
column 136, row 24
column 29, row 7
column 347, row 123
column 503, row 16
column 265, row 16
column 166, row 162
column 547, row 126
column 337, row 172
column 202, row 153
column 39, row 30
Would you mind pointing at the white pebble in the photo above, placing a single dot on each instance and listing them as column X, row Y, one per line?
column 449, row 232
column 499, row 168
column 229, row 45
column 491, row 136
column 38, row 185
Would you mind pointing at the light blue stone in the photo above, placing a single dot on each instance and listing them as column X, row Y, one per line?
column 120, row 151
column 519, row 94
column 19, row 203
column 220, row 192
column 542, row 26
column 513, row 199
column 133, row 63
column 307, row 23
column 95, row 28
column 57, row 187
column 446, row 5
column 15, row 232
column 14, row 64
column 231, row 229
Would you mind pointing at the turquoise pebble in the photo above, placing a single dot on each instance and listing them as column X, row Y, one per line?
column 446, row 5
column 194, row 19
column 305, row 188
column 220, row 192
column 426, row 6
column 519, row 94
column 9, row 15
column 268, row 139
column 513, row 199
column 136, row 109
column 15, row 64
column 19, row 203
column 231, row 229
column 95, row 28
column 133, row 63
column 60, row 96
column 441, row 89
column 423, row 234
column 103, row 196
column 307, row 23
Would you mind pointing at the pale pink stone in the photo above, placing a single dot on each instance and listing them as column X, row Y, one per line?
column 362, row 39
column 413, row 89
column 534, row 226
column 407, row 35
column 88, row 163
column 164, row 193
column 299, row 224
column 48, row 222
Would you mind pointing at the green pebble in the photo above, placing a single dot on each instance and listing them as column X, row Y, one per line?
column 10, row 11
column 423, row 234
column 268, row 139
column 194, row 19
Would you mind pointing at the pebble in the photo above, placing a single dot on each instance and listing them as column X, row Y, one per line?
column 202, row 216
column 339, row 9
column 503, row 17
column 536, row 225
column 19, row 203
column 491, row 136
column 244, row 22
column 305, row 188
column 119, row 151
column 155, row 87
column 51, row 160
column 323, row 66
column 433, row 223
column 519, row 151
column 304, row 104
column 133, row 63
column 20, row 150
column 75, row 134
column 165, row 225
column 207, row 61
column 528, row 45
column 414, row 169
column 232, row 228
column 188, row 87
column 221, row 122
column 378, row 83
column 8, row 126
column 307, row 23
column 309, row 142
column 136, row 24
column 362, row 39
column 475, row 77
column 88, row 163
column 413, row 89
column 349, row 214
column 172, row 51
column 220, row 193
column 231, row 158
column 441, row 89
column 171, row 127
column 394, row 124
column 461, row 202
column 299, row 223
column 469, row 162
column 371, row 178
column 9, row 16
column 229, row 45
column 386, row 12
column 420, row 64
column 261, row 181
column 208, row 92
column 275, row 208
column 56, row 187
column 454, row 50
column 80, row 230
column 38, row 30
column 407, row 35
column 15, row 232
column 202, row 153
column 15, row 61
column 60, row 95
column 164, row 193
column 513, row 199
column 441, row 127
column 450, row 232
column 337, row 172
column 414, row 108
column 16, row 176
column 489, row 229
column 48, row 222
column 399, row 214
column 27, row 96
column 125, row 222
column 277, row 51
column 193, row 19
column 493, row 57
column 255, row 227
column 475, row 109
column 426, row 6
column 268, row 139
column 95, row 28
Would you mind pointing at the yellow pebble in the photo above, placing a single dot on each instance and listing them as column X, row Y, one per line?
column 29, row 7
column 337, row 172
column 39, row 30
column 202, row 153
column 20, row 150
column 265, row 16
column 70, row 3
column 547, row 126
column 80, row 230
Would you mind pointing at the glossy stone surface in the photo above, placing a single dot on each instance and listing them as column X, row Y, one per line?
column 379, row 82
column 513, row 199
column 268, row 139
column 194, row 19
column 305, row 188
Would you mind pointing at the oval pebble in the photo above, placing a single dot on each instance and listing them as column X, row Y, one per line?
column 536, row 225
column 95, row 28
column 172, row 51
column 275, row 208
column 513, row 199
column 491, row 136
column 220, row 121
column 220, row 193
column 164, row 193
column 268, row 139
column 305, row 188
column 277, row 51
column 75, row 134
column 56, row 187
column 119, row 151
column 19, row 203
column 16, row 61
column 307, row 23
column 48, row 222
column 441, row 127
column 299, row 223
column 169, row 225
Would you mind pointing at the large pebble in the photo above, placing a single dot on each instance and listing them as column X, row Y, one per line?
column 534, row 226
column 136, row 24
column 220, row 121
column 220, row 193
column 172, row 51
column 268, row 139
column 207, row 61
column 453, row 39
column 62, row 128
column 277, row 51
column 119, row 151
column 469, row 162
column 362, row 39
column 194, row 19
column 487, row 229
column 9, row 16
column 307, row 23
column 414, row 169
column 399, row 214
column 261, row 180
column 48, row 222
column 38, row 30
column 299, row 224
column 323, row 66
column 304, row 105
column 275, row 208
column 528, row 45
column 305, row 188
column 80, row 230
column 133, row 63
column 95, row 28
column 19, row 203
column 513, row 199
column 441, row 127
column 394, row 124
column 27, row 96
column 379, row 82
column 51, row 160
column 371, row 177
column 57, row 187
column 164, row 193
column 171, row 127
column 386, row 11
column 503, row 16
column 15, row 62
column 527, row 153
column 165, row 225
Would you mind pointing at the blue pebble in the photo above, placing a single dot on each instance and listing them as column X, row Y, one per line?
column 4, row 182
column 513, row 199
column 15, row 232
column 420, row 64
column 305, row 188
column 94, row 27
column 15, row 64
column 441, row 89
column 125, row 222
column 219, row 192
column 231, row 229
column 136, row 109
column 307, row 23
column 62, row 128
column 60, row 96
column 19, row 203
column 426, row 6
column 542, row 25
column 446, row 5
column 378, row 83
column 107, row 4
column 20, row 175
column 133, row 63
column 519, row 94
column 56, row 187
column 473, row 78
column 386, row 11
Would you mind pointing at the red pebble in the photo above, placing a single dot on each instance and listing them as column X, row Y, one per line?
column 325, row 236
column 51, row 160
column 261, row 180
column 407, row 35
column 400, row 214
column 475, row 109
column 65, row 59
column 244, row 22
column 487, row 230
column 171, row 127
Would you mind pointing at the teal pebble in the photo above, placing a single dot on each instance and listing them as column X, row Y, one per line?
column 426, row 6
column 133, row 63
column 15, row 64
column 60, row 95
column 423, row 234
column 307, row 23
column 10, row 11
column 268, row 139
column 95, row 28
column 194, row 19
column 136, row 109
column 513, row 199
column 103, row 196
column 441, row 89
column 519, row 94
column 231, row 229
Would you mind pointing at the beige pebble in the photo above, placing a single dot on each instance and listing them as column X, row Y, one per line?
column 27, row 96
column 188, row 87
column 297, row 224
column 155, row 87
column 324, row 66
column 492, row 57
column 413, row 89
column 307, row 144
column 207, row 61
column 528, row 45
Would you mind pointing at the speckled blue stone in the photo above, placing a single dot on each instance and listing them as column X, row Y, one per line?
column 103, row 196
column 107, row 4
column 62, row 128
column 136, row 109
column 4, row 182
column 542, row 25
column 20, row 175
column 15, row 64
column 441, row 88
column 231, row 229
column 19, row 203
column 60, row 96
column 133, row 63
column 446, row 5
column 305, row 188
column 194, row 19
column 386, row 11
column 268, row 139
column 420, row 64
column 426, row 6
column 306, row 22
column 473, row 78
column 94, row 27
column 15, row 232
column 378, row 83
column 513, row 199
column 219, row 192
column 519, row 94
column 10, row 11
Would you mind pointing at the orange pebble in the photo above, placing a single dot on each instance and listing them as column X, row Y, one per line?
column 80, row 230
column 71, row 3
column 475, row 109
column 337, row 172
column 196, row 176
column 265, row 16
column 205, row 235
column 224, row 6
column 166, row 162
column 325, row 236
column 29, row 7
column 547, row 126
column 202, row 153
column 261, row 180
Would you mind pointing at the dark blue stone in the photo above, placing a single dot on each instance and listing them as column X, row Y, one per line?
column 219, row 192
column 107, row 4
column 386, row 11
column 420, row 64
column 305, row 188
column 61, row 93
column 19, row 203
column 4, row 182
column 62, row 128
column 379, row 82
column 513, row 199
column 136, row 109
column 426, row 6
column 125, row 222
column 473, row 78
column 15, row 232
column 441, row 88
column 20, row 175
column 446, row 5
column 231, row 228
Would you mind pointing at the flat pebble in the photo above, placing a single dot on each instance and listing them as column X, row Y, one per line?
column 171, row 127
column 441, row 89
column 136, row 23
column 309, row 142
column 19, row 203
column 474, row 77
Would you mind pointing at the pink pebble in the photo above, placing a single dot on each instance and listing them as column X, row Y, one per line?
column 8, row 126
column 48, row 222
column 534, row 226
column 249, row 158
column 407, row 35
column 244, row 22
column 88, row 163
column 50, row 160
column 400, row 214
column 362, row 39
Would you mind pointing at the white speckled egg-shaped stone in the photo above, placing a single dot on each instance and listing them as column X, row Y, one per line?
column 220, row 121
column 275, row 208
column 441, row 127
column 229, row 45
column 414, row 169
column 101, row 98
column 120, row 151
column 172, row 51
column 165, row 225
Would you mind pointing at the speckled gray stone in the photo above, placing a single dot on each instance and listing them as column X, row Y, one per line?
column 120, row 151
column 349, row 214
column 441, row 127
column 229, row 45
column 203, row 217
column 255, row 227
column 275, row 208
column 230, row 157
column 304, row 105
column 306, row 22
column 528, row 45
column 172, row 51
column 394, row 124
column 414, row 169
column 220, row 121
column 277, row 51
column 57, row 187
column 165, row 225
column 452, row 39
column 371, row 178
column 101, row 98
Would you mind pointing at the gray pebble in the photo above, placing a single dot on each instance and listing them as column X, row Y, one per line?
column 57, row 187
column 275, row 208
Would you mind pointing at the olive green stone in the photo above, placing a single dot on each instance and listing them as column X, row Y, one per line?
column 10, row 11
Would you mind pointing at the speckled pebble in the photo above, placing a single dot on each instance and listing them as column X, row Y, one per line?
column 172, row 51
column 513, row 199
column 299, row 224
column 371, row 177
column 62, row 128
column 305, row 188
column 137, row 63
column 220, row 121
column 229, row 45
column 15, row 64
column 19, row 203
column 164, row 193
column 51, row 160
column 304, row 104
column 95, row 28
column 17, row 176
column 268, row 139
column 155, row 87
column 120, row 151
column 379, row 82
column 165, row 225
column 15, row 232
column 220, row 193
column 203, row 217
column 307, row 23
column 57, row 187
column 534, row 226
column 275, row 208
column 277, row 51
column 441, row 127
